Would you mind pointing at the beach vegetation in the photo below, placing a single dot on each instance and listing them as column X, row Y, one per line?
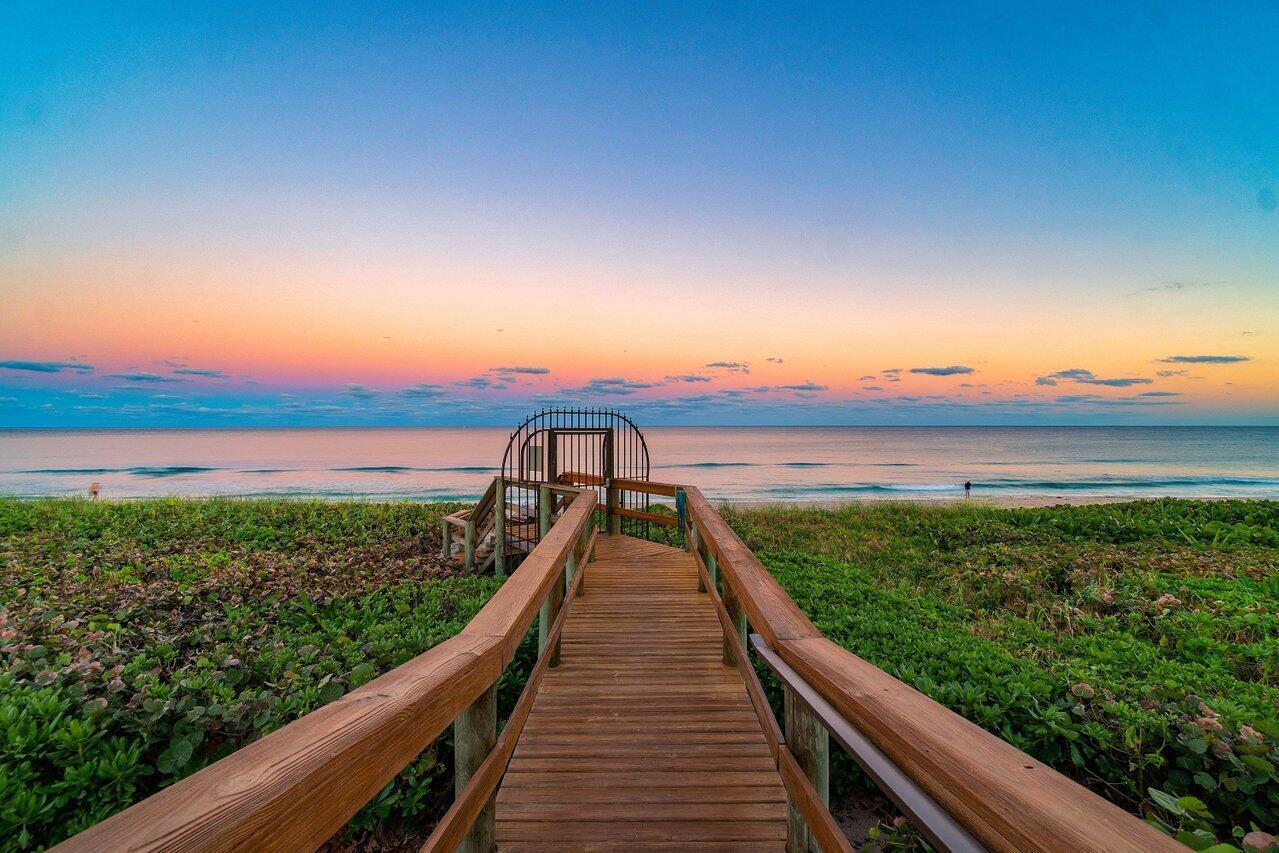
column 1134, row 647
column 141, row 641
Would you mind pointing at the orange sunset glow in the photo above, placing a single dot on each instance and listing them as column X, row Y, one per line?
column 269, row 251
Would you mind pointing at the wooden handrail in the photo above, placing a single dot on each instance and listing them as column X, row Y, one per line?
column 457, row 821
column 798, row 787
column 647, row 487
column 578, row 478
column 294, row 788
column 557, row 488
column 1006, row 799
column 650, row 517
column 741, row 660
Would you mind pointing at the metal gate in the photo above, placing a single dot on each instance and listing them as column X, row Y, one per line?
column 583, row 447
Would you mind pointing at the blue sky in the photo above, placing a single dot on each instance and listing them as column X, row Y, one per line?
column 1022, row 190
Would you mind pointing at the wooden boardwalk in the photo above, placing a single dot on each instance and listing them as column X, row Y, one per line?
column 642, row 736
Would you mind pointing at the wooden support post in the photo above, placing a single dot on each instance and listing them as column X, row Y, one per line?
column 612, row 497
column 543, row 511
column 499, row 529
column 554, row 601
column 695, row 544
column 712, row 569
column 545, row 618
column 446, row 540
column 474, row 735
column 583, row 560
column 809, row 742
column 547, row 614
column 738, row 617
column 468, row 546
column 681, row 513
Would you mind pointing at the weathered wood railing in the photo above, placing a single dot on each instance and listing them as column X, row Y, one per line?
column 468, row 824
column 293, row 789
column 469, row 527
column 614, row 511
column 964, row 787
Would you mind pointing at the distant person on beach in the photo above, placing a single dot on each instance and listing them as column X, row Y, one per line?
column 93, row 491
column 968, row 488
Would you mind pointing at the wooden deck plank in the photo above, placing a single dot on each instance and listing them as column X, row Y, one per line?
column 662, row 810
column 642, row 779
column 642, row 794
column 641, row 737
column 651, row 829
column 634, row 847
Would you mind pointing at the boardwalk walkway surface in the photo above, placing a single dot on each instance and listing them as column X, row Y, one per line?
column 637, row 735
column 642, row 736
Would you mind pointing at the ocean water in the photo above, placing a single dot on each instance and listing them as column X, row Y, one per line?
column 768, row 464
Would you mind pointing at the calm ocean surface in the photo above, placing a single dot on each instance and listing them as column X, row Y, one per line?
column 771, row 464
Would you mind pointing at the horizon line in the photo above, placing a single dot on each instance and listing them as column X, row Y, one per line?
column 264, row 427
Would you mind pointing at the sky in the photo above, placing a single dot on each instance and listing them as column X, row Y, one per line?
column 292, row 214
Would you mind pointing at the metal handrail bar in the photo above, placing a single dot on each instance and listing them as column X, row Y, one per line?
column 929, row 818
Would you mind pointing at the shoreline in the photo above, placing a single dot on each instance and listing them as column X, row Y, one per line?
column 1007, row 502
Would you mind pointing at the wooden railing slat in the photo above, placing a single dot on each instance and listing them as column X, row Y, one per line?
column 652, row 517
column 647, row 487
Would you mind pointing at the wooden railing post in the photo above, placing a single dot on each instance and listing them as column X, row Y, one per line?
column 612, row 496
column 738, row 617
column 468, row 546
column 681, row 513
column 543, row 511
column 446, row 540
column 554, row 601
column 586, row 557
column 695, row 544
column 808, row 740
column 474, row 735
column 546, row 616
column 499, row 529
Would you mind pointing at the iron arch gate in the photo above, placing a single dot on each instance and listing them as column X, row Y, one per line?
column 582, row 447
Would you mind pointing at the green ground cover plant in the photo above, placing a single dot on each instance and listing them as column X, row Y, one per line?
column 141, row 641
column 1134, row 647
column 1131, row 646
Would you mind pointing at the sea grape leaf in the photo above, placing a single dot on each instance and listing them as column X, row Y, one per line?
column 1166, row 801
column 175, row 757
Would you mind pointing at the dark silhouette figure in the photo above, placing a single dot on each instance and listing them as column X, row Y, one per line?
column 968, row 488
